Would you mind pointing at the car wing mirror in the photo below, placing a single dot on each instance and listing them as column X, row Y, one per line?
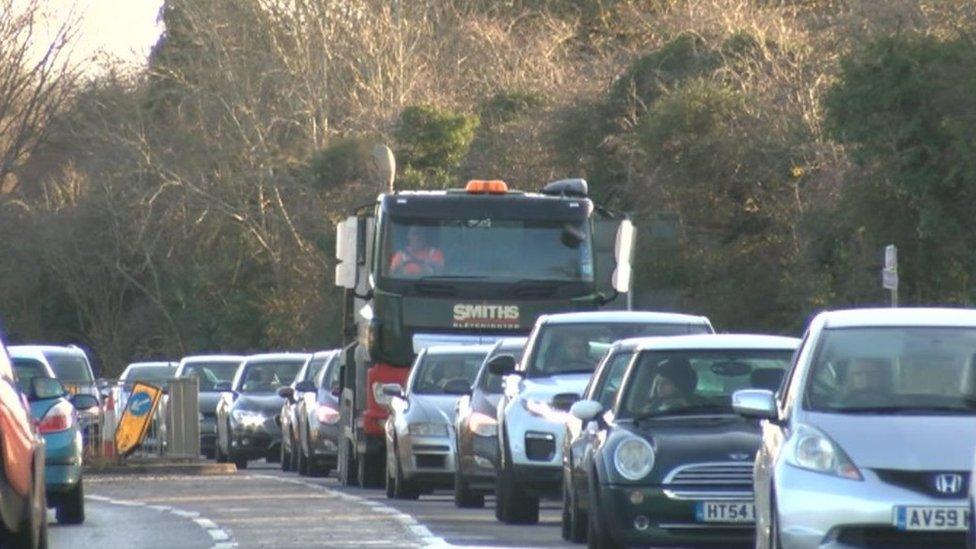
column 287, row 392
column 502, row 365
column 393, row 390
column 84, row 402
column 564, row 401
column 586, row 410
column 755, row 404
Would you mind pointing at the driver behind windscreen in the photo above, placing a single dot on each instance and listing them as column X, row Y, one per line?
column 261, row 380
column 674, row 384
column 575, row 354
column 417, row 258
column 450, row 370
column 867, row 378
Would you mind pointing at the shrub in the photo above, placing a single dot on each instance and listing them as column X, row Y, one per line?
column 428, row 137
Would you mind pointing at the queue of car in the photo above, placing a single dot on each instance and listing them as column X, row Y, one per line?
column 653, row 430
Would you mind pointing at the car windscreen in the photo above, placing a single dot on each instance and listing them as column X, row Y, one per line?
column 69, row 368
column 210, row 373
column 492, row 384
column 578, row 347
column 435, row 371
column 894, row 370
column 27, row 368
column 487, row 248
column 148, row 372
column 682, row 382
column 266, row 377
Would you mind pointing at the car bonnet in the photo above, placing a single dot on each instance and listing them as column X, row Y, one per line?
column 931, row 442
column 432, row 408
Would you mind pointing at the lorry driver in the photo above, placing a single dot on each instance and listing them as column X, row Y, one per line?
column 417, row 258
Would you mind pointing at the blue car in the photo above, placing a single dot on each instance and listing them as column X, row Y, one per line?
column 57, row 422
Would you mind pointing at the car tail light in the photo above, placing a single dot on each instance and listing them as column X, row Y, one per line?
column 326, row 414
column 60, row 417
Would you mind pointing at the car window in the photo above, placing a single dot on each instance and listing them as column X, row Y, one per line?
column 155, row 372
column 266, row 377
column 330, row 376
column 698, row 381
column 894, row 369
column 210, row 373
column 436, row 370
column 609, row 384
column 492, row 384
column 314, row 367
column 578, row 347
column 69, row 368
column 27, row 368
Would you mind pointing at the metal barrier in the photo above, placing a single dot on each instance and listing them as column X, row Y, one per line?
column 174, row 429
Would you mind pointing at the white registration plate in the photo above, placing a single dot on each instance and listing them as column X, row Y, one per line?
column 725, row 511
column 931, row 518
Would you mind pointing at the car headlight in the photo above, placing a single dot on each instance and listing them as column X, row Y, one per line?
column 428, row 429
column 381, row 398
column 815, row 451
column 483, row 425
column 543, row 409
column 633, row 458
column 248, row 418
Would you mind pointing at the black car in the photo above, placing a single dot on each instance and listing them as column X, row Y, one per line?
column 248, row 426
column 317, row 450
column 301, row 388
column 209, row 371
column 671, row 463
column 476, row 430
column 603, row 388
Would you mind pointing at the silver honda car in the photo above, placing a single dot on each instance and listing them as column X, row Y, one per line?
column 870, row 440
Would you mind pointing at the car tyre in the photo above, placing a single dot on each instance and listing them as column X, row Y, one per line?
column 598, row 536
column 71, row 506
column 302, row 462
column 286, row 463
column 347, row 464
column 315, row 467
column 32, row 534
column 402, row 488
column 371, row 468
column 774, row 541
column 464, row 497
column 574, row 520
column 512, row 506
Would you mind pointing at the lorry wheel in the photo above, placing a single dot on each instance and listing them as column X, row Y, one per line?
column 463, row 496
column 71, row 506
column 371, row 470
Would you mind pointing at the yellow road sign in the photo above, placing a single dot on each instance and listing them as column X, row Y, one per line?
column 135, row 418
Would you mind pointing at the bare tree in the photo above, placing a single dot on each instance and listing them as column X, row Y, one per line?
column 35, row 81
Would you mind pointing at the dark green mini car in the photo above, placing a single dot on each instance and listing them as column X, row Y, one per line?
column 670, row 463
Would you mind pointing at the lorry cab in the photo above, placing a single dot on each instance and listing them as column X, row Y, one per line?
column 461, row 266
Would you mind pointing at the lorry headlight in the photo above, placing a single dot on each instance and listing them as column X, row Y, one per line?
column 633, row 458
column 428, row 429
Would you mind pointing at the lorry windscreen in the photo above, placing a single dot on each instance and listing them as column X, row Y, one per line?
column 486, row 248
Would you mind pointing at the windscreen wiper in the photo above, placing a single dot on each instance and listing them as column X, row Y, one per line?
column 969, row 408
column 684, row 411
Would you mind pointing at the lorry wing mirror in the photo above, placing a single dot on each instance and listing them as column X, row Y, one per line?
column 623, row 252
column 502, row 365
column 347, row 238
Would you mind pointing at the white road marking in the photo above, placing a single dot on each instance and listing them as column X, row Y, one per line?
column 427, row 538
column 221, row 538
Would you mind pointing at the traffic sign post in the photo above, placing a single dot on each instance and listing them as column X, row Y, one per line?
column 889, row 275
